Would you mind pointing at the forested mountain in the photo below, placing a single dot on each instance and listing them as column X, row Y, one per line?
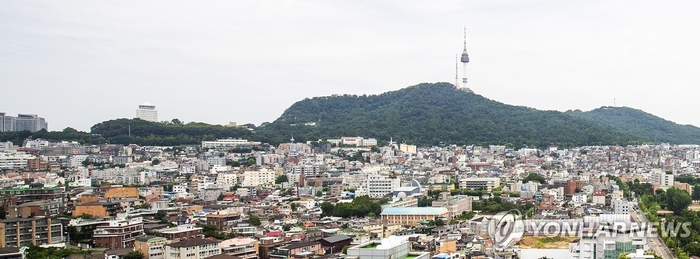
column 425, row 114
column 136, row 131
column 640, row 123
column 428, row 114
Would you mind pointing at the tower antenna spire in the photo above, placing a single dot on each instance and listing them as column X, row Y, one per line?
column 465, row 39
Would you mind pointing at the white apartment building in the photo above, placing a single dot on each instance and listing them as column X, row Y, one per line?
column 479, row 183
column 377, row 186
column 263, row 177
column 305, row 169
column 226, row 179
column 661, row 177
column 227, row 143
column 579, row 199
column 193, row 248
column 14, row 160
column 620, row 206
column 216, row 161
column 147, row 112
column 188, row 169
column 179, row 188
column 6, row 146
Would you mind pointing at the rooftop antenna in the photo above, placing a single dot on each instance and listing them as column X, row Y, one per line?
column 457, row 72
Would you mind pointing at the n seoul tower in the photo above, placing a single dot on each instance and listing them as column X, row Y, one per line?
column 465, row 59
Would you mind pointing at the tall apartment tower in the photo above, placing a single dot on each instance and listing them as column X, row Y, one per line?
column 147, row 112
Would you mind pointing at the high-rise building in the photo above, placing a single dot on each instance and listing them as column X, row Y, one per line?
column 147, row 112
column 29, row 122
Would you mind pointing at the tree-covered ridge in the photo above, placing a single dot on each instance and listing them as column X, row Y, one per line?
column 427, row 114
column 128, row 131
column 640, row 123
column 67, row 134
column 136, row 131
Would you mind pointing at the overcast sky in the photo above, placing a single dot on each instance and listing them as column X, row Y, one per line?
column 77, row 63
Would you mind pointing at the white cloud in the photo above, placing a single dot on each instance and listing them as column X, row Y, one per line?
column 83, row 62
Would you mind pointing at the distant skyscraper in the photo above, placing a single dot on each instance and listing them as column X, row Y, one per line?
column 29, row 122
column 2, row 122
column 147, row 112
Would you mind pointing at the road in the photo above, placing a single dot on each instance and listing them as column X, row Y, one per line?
column 654, row 242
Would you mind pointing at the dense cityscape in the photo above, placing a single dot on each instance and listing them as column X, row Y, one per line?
column 349, row 130
column 345, row 197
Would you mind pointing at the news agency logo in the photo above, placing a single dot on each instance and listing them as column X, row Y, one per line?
column 506, row 228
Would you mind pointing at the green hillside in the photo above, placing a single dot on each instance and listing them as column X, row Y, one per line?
column 428, row 114
column 640, row 123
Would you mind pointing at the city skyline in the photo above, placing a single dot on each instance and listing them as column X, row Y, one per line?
column 87, row 62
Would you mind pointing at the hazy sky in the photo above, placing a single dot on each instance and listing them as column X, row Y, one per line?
column 77, row 63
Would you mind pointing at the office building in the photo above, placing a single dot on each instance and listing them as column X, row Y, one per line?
column 28, row 122
column 412, row 215
column 147, row 112
column 479, row 183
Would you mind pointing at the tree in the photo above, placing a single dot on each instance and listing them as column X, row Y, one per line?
column 155, row 162
column 677, row 200
column 622, row 256
column 319, row 193
column 327, row 209
column 281, row 179
column 250, row 161
column 696, row 192
column 254, row 220
column 534, row 177
column 439, row 223
column 133, row 255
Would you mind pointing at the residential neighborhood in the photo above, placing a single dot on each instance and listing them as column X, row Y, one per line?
column 335, row 198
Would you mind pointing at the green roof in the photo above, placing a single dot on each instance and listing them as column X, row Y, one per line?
column 414, row 211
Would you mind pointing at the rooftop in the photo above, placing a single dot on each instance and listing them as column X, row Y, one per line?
column 194, row 242
column 414, row 211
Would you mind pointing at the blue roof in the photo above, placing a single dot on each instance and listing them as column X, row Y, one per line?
column 414, row 211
